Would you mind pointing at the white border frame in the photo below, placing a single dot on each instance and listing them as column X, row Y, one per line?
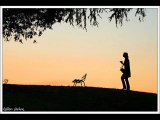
column 1, row 58
column 72, row 112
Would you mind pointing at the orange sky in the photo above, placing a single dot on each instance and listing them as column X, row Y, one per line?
column 67, row 52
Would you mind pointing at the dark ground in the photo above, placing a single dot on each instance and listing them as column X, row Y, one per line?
column 62, row 98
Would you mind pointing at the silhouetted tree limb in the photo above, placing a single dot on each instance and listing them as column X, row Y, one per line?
column 28, row 22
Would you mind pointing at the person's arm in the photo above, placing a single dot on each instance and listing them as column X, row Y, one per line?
column 122, row 62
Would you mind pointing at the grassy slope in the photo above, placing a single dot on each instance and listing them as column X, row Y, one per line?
column 61, row 98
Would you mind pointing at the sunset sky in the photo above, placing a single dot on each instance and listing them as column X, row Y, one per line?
column 66, row 53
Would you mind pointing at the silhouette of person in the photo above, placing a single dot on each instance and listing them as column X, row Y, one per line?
column 125, row 69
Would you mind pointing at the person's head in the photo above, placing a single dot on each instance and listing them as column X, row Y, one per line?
column 125, row 55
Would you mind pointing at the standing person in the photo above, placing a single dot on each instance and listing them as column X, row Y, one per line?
column 125, row 69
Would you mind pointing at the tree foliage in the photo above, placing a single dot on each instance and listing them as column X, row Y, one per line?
column 26, row 23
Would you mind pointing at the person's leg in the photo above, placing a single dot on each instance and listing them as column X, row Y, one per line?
column 123, row 82
column 127, row 83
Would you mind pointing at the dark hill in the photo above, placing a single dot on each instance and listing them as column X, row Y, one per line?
column 62, row 98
